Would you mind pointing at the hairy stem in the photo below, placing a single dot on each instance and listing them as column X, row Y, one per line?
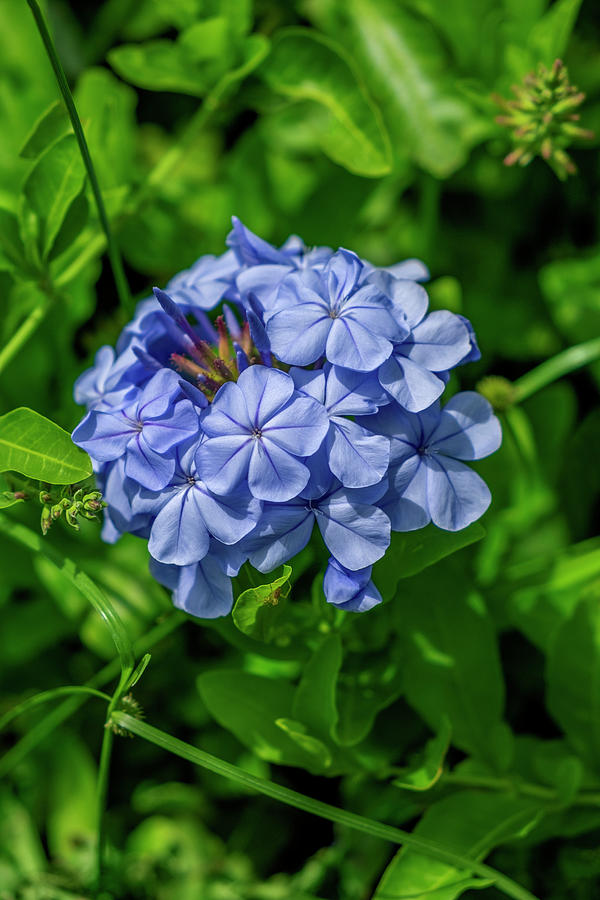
column 113, row 250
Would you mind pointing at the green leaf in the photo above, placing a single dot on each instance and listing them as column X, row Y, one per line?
column 361, row 697
column 257, row 611
column 189, row 65
column 249, row 706
column 51, row 126
column 107, row 109
column 549, row 37
column 12, row 249
column 573, row 680
column 411, row 76
column 305, row 65
column 426, row 771
column 36, row 447
column 469, row 822
column 52, row 185
column 315, row 697
column 71, row 821
column 412, row 551
column 451, row 664
column 570, row 289
column 19, row 839
column 299, row 734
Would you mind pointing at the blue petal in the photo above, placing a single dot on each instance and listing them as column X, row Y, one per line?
column 355, row 533
column 468, row 428
column 223, row 461
column 204, row 590
column 250, row 249
column 352, row 591
column 357, row 456
column 439, row 342
column 274, row 474
column 310, row 382
column 150, row 469
column 406, row 501
column 299, row 428
column 265, row 391
column 353, row 346
column 283, row 531
column 228, row 518
column 298, row 334
column 456, row 496
column 228, row 413
column 176, row 425
column 103, row 435
column 352, row 393
column 179, row 535
column 410, row 384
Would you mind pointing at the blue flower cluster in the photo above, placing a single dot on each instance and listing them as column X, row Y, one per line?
column 312, row 398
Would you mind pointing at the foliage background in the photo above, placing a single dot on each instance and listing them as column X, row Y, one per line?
column 467, row 707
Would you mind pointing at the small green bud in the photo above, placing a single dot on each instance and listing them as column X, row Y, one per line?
column 499, row 391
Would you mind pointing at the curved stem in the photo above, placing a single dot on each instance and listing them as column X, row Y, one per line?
column 421, row 845
column 103, row 779
column 525, row 788
column 45, row 697
column 113, row 250
column 562, row 364
column 67, row 708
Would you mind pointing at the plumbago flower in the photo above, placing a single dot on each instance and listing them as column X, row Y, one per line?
column 313, row 398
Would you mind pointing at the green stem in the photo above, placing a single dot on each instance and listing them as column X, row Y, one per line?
column 65, row 710
column 23, row 333
column 421, row 845
column 103, row 779
column 113, row 250
column 45, row 697
column 562, row 364
column 525, row 788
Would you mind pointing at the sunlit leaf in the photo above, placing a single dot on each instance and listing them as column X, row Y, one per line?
column 304, row 65
column 36, row 447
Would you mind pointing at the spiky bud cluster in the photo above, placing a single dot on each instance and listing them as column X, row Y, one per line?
column 543, row 119
column 72, row 503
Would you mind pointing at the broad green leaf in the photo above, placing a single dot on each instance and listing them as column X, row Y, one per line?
column 189, row 65
column 305, row 65
column 52, row 125
column 360, row 697
column 451, row 663
column 315, row 697
column 20, row 842
column 426, row 771
column 411, row 77
column 573, row 679
column 249, row 705
column 71, row 819
column 549, row 37
column 36, row 447
column 52, row 185
column 257, row 611
column 73, row 224
column 300, row 735
column 471, row 823
column 550, row 589
column 412, row 551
